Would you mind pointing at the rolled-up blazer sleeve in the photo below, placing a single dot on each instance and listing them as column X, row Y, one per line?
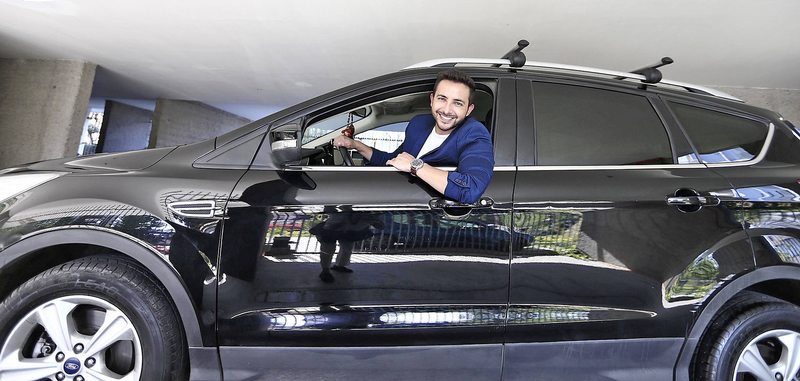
column 380, row 158
column 475, row 167
column 412, row 136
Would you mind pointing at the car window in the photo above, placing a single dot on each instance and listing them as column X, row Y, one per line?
column 385, row 138
column 326, row 126
column 388, row 117
column 578, row 125
column 380, row 124
column 720, row 137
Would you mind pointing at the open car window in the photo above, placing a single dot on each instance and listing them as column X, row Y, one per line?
column 379, row 125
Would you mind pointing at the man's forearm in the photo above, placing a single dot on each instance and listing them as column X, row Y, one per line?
column 363, row 149
column 435, row 177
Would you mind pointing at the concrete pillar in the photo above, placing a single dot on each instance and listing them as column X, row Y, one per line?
column 125, row 128
column 43, row 105
column 181, row 122
column 783, row 101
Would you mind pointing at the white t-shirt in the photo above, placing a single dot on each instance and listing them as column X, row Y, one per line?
column 433, row 142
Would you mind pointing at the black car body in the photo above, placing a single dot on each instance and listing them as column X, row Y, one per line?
column 644, row 218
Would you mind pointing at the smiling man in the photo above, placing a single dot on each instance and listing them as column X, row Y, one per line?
column 446, row 137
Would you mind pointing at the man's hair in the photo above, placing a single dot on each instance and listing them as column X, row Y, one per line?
column 454, row 75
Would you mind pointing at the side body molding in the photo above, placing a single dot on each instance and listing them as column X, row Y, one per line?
column 715, row 303
column 124, row 244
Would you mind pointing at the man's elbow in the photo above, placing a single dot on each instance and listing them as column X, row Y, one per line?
column 464, row 195
column 471, row 198
column 467, row 188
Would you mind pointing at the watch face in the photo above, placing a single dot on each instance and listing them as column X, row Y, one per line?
column 416, row 163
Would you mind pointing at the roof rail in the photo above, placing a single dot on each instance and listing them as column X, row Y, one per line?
column 452, row 62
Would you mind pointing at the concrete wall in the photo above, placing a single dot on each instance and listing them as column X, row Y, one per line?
column 125, row 128
column 783, row 101
column 181, row 122
column 43, row 106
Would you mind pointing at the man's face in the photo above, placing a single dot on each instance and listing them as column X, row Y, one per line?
column 450, row 104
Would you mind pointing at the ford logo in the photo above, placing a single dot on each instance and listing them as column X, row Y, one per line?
column 72, row 366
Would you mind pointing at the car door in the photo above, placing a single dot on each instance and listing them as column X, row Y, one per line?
column 409, row 307
column 758, row 157
column 629, row 232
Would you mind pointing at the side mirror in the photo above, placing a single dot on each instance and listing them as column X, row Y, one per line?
column 285, row 143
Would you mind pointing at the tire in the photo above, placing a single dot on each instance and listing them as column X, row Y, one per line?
column 756, row 338
column 92, row 317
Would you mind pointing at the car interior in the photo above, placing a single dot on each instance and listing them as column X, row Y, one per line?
column 380, row 125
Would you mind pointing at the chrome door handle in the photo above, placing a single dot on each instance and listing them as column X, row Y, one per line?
column 692, row 201
column 441, row 203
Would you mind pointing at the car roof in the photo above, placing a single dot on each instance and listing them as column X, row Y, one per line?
column 585, row 70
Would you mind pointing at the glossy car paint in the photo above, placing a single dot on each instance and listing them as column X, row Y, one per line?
column 612, row 260
column 401, row 293
column 133, row 205
column 634, row 279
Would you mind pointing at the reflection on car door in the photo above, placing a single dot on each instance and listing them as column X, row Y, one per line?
column 617, row 259
column 417, row 310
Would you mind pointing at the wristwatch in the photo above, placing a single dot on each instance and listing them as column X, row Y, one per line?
column 416, row 165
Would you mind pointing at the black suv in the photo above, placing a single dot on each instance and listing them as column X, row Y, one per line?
column 634, row 229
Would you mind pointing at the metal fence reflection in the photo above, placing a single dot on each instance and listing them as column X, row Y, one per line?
column 537, row 233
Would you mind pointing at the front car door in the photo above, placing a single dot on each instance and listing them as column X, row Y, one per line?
column 630, row 232
column 420, row 300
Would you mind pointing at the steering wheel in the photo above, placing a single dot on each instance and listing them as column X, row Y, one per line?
column 348, row 161
column 348, row 131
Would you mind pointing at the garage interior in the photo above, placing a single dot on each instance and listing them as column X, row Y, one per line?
column 85, row 76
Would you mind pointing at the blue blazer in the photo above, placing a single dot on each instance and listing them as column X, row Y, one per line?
column 469, row 148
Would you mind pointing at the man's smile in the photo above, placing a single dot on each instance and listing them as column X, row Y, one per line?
column 447, row 119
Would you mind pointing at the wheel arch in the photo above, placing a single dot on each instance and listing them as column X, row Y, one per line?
column 782, row 281
column 88, row 241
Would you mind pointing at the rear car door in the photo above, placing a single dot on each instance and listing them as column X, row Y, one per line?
column 629, row 231
column 760, row 159
column 414, row 306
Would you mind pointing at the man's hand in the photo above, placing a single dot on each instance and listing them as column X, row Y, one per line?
column 435, row 177
column 401, row 162
column 344, row 141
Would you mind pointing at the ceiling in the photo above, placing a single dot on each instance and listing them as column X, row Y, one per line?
column 272, row 54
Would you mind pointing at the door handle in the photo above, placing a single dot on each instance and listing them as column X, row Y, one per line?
column 441, row 203
column 689, row 200
column 692, row 201
column 456, row 210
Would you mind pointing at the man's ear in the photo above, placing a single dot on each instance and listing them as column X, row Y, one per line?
column 471, row 107
column 431, row 98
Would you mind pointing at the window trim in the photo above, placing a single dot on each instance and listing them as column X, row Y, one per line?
column 736, row 114
column 759, row 158
column 366, row 168
column 528, row 168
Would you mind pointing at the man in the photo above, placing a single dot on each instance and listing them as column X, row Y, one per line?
column 447, row 137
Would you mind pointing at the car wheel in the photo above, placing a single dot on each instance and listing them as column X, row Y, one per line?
column 761, row 341
column 96, row 318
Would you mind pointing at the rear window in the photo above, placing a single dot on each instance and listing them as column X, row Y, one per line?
column 720, row 137
column 585, row 126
